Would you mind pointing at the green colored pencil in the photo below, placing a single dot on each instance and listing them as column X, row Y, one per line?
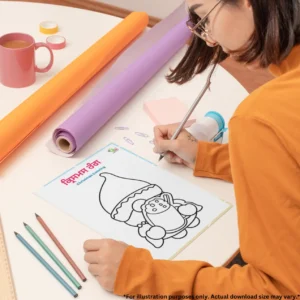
column 46, row 265
column 53, row 257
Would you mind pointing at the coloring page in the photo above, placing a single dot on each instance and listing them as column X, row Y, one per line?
column 124, row 197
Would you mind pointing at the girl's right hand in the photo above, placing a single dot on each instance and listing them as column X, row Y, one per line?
column 182, row 150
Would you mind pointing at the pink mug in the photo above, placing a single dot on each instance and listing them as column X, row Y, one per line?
column 17, row 60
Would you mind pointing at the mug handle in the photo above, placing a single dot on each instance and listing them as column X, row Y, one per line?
column 46, row 69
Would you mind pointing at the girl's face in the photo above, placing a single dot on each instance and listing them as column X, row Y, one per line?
column 229, row 25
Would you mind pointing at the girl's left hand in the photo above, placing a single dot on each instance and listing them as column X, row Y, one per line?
column 104, row 258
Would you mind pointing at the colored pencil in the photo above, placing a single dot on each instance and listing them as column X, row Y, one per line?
column 46, row 265
column 192, row 108
column 53, row 257
column 61, row 248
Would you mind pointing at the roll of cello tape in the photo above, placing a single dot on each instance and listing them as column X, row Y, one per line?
column 48, row 27
column 56, row 42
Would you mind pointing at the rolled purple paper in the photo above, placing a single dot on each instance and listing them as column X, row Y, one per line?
column 73, row 134
column 143, row 43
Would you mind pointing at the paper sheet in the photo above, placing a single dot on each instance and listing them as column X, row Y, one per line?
column 124, row 197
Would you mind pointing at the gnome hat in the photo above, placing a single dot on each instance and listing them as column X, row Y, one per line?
column 117, row 194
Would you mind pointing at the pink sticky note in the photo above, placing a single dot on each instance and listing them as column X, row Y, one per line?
column 168, row 111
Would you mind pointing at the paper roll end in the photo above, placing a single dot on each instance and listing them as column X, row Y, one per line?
column 64, row 145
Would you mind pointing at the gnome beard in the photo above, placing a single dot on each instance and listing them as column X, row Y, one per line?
column 140, row 204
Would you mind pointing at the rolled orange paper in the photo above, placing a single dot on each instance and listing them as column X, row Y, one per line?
column 27, row 117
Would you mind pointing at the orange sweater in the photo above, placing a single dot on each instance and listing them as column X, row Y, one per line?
column 263, row 160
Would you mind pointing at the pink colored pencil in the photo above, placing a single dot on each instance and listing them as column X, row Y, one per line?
column 61, row 248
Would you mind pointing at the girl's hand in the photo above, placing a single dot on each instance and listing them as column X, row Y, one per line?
column 183, row 150
column 104, row 258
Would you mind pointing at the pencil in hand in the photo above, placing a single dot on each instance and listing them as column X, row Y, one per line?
column 161, row 157
column 46, row 265
column 61, row 248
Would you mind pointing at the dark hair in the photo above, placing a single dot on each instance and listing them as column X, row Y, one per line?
column 277, row 31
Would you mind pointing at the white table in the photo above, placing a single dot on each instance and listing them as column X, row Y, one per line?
column 32, row 165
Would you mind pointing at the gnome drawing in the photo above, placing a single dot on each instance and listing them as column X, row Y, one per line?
column 146, row 206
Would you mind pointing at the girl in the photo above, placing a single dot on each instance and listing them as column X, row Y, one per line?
column 262, row 159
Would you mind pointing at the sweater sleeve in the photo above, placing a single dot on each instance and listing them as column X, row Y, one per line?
column 212, row 161
column 265, row 177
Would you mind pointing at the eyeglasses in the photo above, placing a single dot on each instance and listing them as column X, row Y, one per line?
column 200, row 29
